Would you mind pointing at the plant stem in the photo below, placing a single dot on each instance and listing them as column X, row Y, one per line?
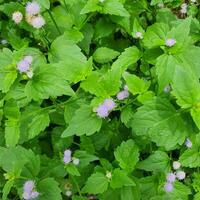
column 52, row 18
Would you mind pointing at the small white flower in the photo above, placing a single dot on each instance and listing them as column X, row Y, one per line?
column 108, row 175
column 180, row 175
column 170, row 42
column 68, row 193
column 176, row 165
column 17, row 17
column 4, row 42
column 160, row 5
column 32, row 8
column 76, row 161
column 193, row 1
column 126, row 87
column 138, row 35
column 101, row 1
column 183, row 8
column 37, row 22
column 167, row 89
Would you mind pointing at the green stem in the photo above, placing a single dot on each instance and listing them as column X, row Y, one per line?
column 52, row 18
column 77, row 186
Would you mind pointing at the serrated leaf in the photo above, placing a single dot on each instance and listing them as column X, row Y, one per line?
column 135, row 84
column 127, row 154
column 104, row 55
column 45, row 83
column 120, row 179
column 98, row 180
column 80, row 123
column 72, row 169
column 157, row 162
column 49, row 189
column 158, row 120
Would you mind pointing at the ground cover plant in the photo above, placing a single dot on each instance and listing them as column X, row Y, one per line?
column 99, row 99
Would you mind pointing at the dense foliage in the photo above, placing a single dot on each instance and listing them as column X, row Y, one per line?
column 100, row 99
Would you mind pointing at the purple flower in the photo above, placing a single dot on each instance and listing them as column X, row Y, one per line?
column 102, row 111
column 171, row 177
column 17, row 17
column 32, row 8
column 28, row 186
column 34, row 195
column 170, row 42
column 28, row 192
column 123, row 95
column 168, row 187
column 37, row 22
column 23, row 66
column 29, row 59
column 188, row 143
column 109, row 103
column 67, row 156
column 180, row 175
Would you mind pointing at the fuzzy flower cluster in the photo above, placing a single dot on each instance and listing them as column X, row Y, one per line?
column 183, row 9
column 29, row 191
column 104, row 109
column 24, row 66
column 124, row 94
column 172, row 176
column 17, row 17
column 67, row 158
column 170, row 42
column 188, row 143
column 33, row 16
column 138, row 35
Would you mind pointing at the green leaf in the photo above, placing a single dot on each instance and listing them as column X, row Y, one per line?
column 80, row 123
column 104, row 55
column 195, row 113
column 186, row 88
column 12, row 132
column 129, row 57
column 8, row 72
column 120, row 179
column 33, row 121
column 98, row 180
column 155, row 35
column 130, row 193
column 6, row 189
column 72, row 169
column 127, row 154
column 44, row 3
column 45, row 83
column 85, row 158
column 135, row 84
column 157, row 162
column 158, row 120
column 49, row 189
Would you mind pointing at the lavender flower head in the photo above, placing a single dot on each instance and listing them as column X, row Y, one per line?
column 109, row 103
column 188, row 143
column 29, row 59
column 102, row 111
column 171, row 177
column 168, row 187
column 138, row 35
column 170, row 42
column 67, row 156
column 32, row 8
column 123, row 95
column 17, row 17
column 28, row 192
column 37, row 22
column 23, row 66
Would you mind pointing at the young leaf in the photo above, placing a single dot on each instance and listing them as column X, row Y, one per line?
column 98, row 180
column 49, row 189
column 80, row 123
column 158, row 120
column 127, row 154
